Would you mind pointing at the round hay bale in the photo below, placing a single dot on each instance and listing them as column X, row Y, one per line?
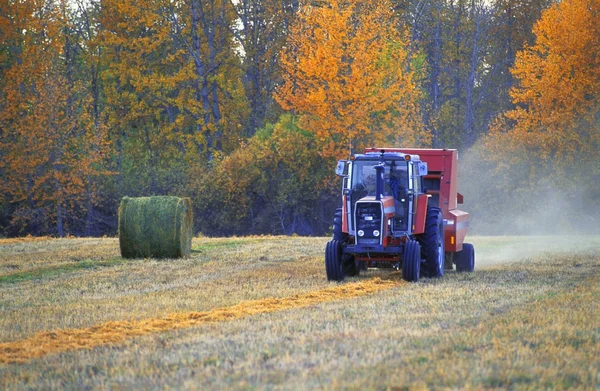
column 155, row 227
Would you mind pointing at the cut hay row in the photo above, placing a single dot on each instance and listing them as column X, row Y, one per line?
column 25, row 239
column 58, row 341
column 155, row 227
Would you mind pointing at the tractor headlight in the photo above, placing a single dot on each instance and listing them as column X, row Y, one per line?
column 361, row 232
column 376, row 233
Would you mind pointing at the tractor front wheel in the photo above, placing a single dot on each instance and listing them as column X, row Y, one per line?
column 411, row 262
column 333, row 261
column 465, row 259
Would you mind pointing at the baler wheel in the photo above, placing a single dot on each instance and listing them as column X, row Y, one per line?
column 432, row 244
column 465, row 259
column 333, row 261
column 411, row 263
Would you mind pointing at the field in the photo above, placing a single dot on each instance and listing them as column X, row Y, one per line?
column 257, row 312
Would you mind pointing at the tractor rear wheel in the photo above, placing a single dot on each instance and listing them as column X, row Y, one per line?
column 333, row 261
column 465, row 259
column 432, row 244
column 411, row 262
column 337, row 227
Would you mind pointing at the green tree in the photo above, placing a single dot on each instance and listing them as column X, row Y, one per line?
column 276, row 182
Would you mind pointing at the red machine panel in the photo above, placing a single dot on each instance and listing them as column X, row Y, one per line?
column 442, row 178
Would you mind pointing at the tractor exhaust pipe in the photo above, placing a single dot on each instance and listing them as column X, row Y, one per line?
column 379, row 170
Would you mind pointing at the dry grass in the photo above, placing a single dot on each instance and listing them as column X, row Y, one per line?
column 58, row 341
column 525, row 325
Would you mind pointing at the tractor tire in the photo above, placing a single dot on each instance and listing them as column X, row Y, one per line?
column 411, row 262
column 333, row 261
column 465, row 259
column 432, row 244
column 349, row 266
column 337, row 227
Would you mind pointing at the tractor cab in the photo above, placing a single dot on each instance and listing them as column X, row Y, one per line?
column 381, row 194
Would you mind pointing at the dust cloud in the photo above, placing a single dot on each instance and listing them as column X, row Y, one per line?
column 509, row 200
column 515, row 215
column 495, row 250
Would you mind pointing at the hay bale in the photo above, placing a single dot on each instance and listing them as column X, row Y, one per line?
column 155, row 227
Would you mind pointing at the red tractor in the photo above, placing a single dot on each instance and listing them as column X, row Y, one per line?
column 399, row 211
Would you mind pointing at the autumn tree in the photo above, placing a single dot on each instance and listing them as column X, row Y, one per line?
column 556, row 118
column 347, row 73
column 469, row 48
column 545, row 152
column 511, row 28
column 52, row 151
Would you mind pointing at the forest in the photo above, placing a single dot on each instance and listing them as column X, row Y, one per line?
column 245, row 105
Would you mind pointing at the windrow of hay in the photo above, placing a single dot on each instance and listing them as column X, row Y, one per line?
column 58, row 341
column 25, row 239
column 155, row 227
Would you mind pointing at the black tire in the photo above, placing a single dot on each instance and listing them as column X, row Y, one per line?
column 337, row 227
column 465, row 259
column 411, row 262
column 432, row 244
column 349, row 265
column 333, row 261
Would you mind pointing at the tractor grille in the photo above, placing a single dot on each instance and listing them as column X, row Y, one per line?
column 368, row 222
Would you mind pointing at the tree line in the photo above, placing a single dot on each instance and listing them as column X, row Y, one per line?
column 244, row 105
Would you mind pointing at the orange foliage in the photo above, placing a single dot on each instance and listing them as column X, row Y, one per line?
column 346, row 71
column 556, row 119
column 51, row 147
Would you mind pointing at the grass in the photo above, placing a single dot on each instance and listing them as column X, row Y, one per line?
column 57, row 270
column 528, row 324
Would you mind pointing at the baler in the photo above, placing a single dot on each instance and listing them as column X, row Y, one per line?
column 399, row 210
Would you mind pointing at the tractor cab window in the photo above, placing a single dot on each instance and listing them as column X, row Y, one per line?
column 395, row 177
column 395, row 185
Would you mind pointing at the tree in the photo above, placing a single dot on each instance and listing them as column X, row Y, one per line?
column 173, row 88
column 347, row 73
column 510, row 29
column 261, row 32
column 52, row 151
column 545, row 151
column 556, row 121
column 275, row 182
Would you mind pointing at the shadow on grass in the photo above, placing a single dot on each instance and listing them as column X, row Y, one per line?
column 52, row 271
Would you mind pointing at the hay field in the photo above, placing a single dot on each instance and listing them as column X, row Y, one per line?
column 257, row 312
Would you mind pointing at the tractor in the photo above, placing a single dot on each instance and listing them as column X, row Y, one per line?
column 399, row 210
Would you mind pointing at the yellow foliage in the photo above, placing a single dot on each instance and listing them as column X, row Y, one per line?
column 557, row 98
column 346, row 71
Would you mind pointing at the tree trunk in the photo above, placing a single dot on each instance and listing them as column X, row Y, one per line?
column 469, row 119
